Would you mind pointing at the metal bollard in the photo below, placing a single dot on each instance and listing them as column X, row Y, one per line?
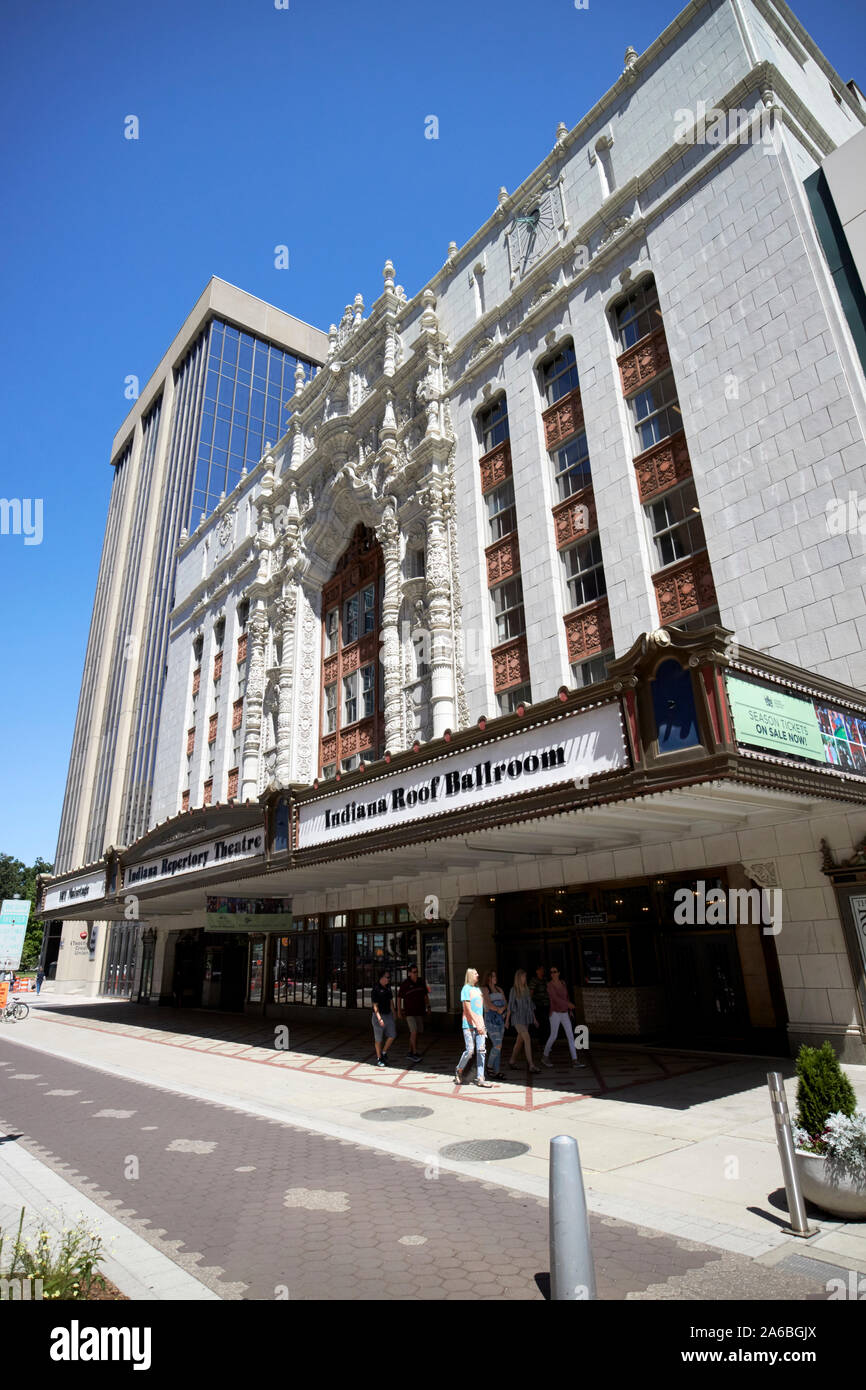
column 572, row 1273
column 799, row 1225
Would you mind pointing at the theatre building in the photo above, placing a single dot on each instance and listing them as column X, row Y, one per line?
column 538, row 636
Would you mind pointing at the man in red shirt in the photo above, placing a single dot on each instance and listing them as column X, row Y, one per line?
column 413, row 1004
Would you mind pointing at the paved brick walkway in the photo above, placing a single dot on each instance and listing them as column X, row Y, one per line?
column 348, row 1054
column 259, row 1209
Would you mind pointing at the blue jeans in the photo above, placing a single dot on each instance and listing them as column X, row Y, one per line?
column 477, row 1043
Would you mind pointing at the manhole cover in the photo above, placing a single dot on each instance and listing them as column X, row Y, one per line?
column 482, row 1150
column 397, row 1112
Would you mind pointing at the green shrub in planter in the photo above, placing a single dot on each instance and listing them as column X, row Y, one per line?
column 823, row 1089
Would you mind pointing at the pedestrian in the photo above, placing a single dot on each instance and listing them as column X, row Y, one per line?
column 413, row 1004
column 474, row 1031
column 40, row 976
column 495, row 1007
column 384, row 1026
column 561, row 1008
column 540, row 1002
column 522, row 1014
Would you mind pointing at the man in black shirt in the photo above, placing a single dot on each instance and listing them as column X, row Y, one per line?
column 384, row 1026
column 413, row 1004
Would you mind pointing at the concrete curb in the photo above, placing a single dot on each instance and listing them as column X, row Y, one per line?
column 53, row 1204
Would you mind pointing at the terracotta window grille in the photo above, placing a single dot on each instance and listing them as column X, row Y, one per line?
column 233, row 783
column 212, row 728
column 208, row 791
column 184, row 800
column 196, row 680
column 237, row 714
column 218, row 666
column 242, row 648
column 190, row 742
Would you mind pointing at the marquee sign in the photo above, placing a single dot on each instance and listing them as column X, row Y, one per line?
column 75, row 892
column 770, row 718
column 212, row 854
column 571, row 749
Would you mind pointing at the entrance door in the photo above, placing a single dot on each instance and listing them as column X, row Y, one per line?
column 704, row 984
column 234, row 976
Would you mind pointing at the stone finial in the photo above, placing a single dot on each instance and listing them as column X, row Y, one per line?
column 561, row 132
column 300, row 378
column 388, row 275
column 452, row 250
column 389, row 419
column 630, row 60
column 428, row 317
column 244, row 471
column 332, row 340
column 184, row 535
column 503, row 196
column 359, row 309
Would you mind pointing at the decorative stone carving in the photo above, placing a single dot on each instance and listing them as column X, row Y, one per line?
column 662, row 466
column 685, row 588
column 764, row 872
column 388, row 535
column 259, row 629
column 563, row 419
column 639, row 364
column 510, row 665
column 503, row 560
column 496, row 466
column 588, row 631
column 574, row 518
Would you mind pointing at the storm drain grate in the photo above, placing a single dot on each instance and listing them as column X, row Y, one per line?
column 397, row 1112
column 813, row 1269
column 483, row 1150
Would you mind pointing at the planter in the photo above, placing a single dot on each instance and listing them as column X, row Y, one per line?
column 840, row 1196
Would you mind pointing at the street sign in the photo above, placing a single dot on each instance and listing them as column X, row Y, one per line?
column 14, row 916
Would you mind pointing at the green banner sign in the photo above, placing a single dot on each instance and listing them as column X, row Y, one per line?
column 764, row 717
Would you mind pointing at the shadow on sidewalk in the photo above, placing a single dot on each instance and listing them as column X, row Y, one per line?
column 636, row 1074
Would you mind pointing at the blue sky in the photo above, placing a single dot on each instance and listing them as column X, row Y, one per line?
column 258, row 127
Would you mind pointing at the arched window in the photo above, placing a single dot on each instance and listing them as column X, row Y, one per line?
column 352, row 717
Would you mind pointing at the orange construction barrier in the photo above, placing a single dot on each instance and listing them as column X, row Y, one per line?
column 4, row 994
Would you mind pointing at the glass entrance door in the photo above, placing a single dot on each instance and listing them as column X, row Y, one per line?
column 704, row 983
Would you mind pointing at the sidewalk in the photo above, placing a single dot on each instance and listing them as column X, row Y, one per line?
column 679, row 1143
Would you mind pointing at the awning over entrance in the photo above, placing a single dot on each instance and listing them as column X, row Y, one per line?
column 689, row 736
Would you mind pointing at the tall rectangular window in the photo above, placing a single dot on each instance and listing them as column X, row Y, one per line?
column 501, row 511
column 493, row 425
column 559, row 375
column 332, row 632
column 585, row 575
column 655, row 412
column 675, row 524
column 350, row 620
column 368, row 599
column 350, row 698
column 508, row 610
column 571, row 467
column 331, row 708
column 638, row 315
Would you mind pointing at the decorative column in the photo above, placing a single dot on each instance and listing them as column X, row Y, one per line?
column 442, row 694
column 258, row 629
column 286, row 610
column 388, row 535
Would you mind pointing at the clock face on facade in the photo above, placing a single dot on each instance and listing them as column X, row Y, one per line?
column 533, row 232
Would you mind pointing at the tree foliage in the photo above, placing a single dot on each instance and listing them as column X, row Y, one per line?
column 823, row 1089
column 19, row 880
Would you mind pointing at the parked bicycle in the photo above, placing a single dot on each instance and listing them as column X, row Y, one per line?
column 15, row 1011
